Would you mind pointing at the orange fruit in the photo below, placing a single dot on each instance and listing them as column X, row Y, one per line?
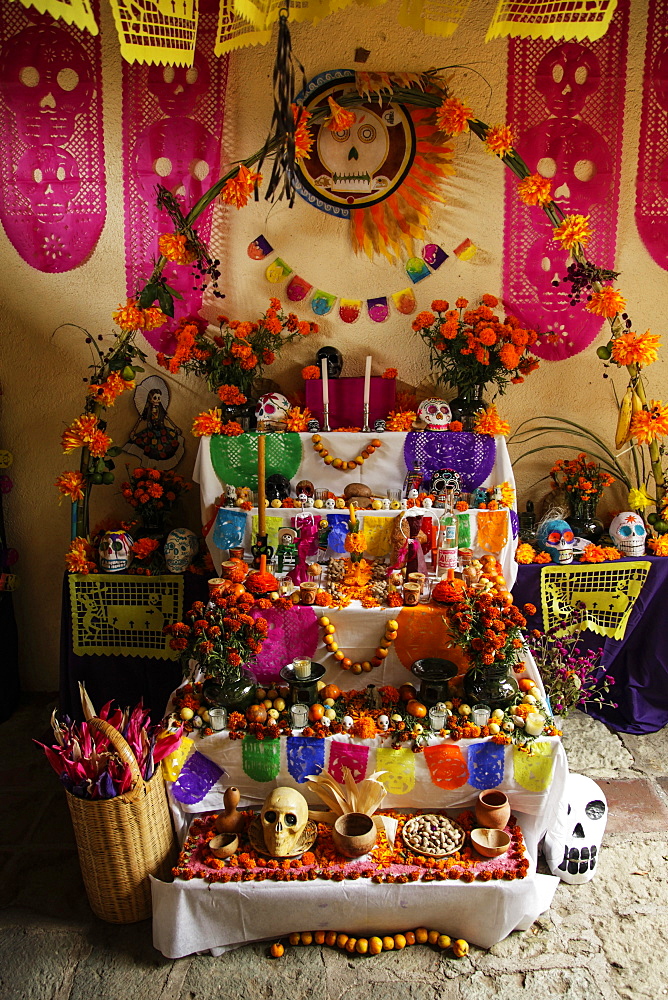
column 432, row 937
column 330, row 938
column 407, row 692
column 316, row 712
column 330, row 629
column 381, row 653
column 410, row 937
column 375, row 945
column 392, row 625
column 307, row 937
column 339, row 654
column 347, row 663
column 526, row 685
column 388, row 943
column 341, row 940
column 362, row 946
column 331, row 691
column 399, row 942
column 421, row 935
column 443, row 941
column 295, row 937
column 277, row 950
column 256, row 713
column 351, row 944
column 416, row 709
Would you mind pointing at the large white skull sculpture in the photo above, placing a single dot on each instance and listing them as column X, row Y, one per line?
column 180, row 547
column 628, row 532
column 115, row 551
column 435, row 413
column 284, row 817
column 572, row 850
column 272, row 410
column 355, row 155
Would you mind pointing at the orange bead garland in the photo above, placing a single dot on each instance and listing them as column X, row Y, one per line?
column 357, row 666
column 339, row 463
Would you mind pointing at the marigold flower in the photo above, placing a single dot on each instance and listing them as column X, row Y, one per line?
column 72, row 485
column 440, row 305
column 489, row 422
column 639, row 349
column 231, row 395
column 423, row 320
column 310, row 372
column 509, row 357
column 399, row 420
column 107, row 392
column 80, row 432
column 341, row 118
column 649, row 424
column 298, row 419
column 390, row 373
column 174, row 246
column 238, row 189
column 573, row 230
column 364, row 728
column 500, row 140
column 535, row 190
column 542, row 557
column 607, row 302
column 100, row 444
column 145, row 547
column 231, row 428
column 77, row 558
column 303, row 138
column 208, row 423
column 129, row 316
column 659, row 546
column 453, row 117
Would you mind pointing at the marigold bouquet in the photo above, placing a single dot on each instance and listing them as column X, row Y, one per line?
column 472, row 347
column 583, row 481
column 222, row 637
column 486, row 625
column 235, row 357
column 154, row 492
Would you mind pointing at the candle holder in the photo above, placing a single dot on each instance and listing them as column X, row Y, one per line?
column 298, row 715
column 302, row 667
column 435, row 675
column 218, row 719
column 304, row 690
column 325, row 417
column 366, row 427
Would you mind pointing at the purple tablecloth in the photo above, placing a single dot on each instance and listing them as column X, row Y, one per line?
column 638, row 662
column 125, row 679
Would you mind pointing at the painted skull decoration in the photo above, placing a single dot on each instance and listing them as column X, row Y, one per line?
column 115, row 551
column 272, row 411
column 284, row 817
column 435, row 413
column 572, row 851
column 180, row 547
column 555, row 536
column 629, row 534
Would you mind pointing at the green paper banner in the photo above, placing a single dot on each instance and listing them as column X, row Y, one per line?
column 234, row 459
column 261, row 759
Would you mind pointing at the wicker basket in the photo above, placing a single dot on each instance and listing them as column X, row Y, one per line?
column 122, row 841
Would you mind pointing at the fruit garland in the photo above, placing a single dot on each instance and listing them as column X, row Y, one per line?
column 375, row 944
column 357, row 667
column 338, row 463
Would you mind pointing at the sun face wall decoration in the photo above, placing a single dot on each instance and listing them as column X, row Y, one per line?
column 382, row 172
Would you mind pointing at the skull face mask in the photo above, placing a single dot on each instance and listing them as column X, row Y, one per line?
column 284, row 817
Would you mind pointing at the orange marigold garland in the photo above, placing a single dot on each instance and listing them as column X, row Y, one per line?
column 78, row 558
column 310, row 372
column 574, row 230
column 635, row 349
column 452, row 116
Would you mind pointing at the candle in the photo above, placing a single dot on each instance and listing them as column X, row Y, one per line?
column 298, row 715
column 325, row 382
column 367, row 381
column 534, row 724
column 480, row 714
column 437, row 719
column 261, row 508
column 301, row 667
column 218, row 718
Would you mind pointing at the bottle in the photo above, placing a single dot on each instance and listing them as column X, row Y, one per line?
column 447, row 555
column 528, row 524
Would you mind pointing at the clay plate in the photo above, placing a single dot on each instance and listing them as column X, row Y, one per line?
column 306, row 840
column 441, row 822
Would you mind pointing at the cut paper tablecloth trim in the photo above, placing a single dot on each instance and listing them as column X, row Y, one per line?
column 570, row 19
column 607, row 592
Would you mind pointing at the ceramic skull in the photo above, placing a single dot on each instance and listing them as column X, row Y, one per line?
column 435, row 413
column 572, row 851
column 180, row 547
column 277, row 487
column 330, row 503
column 115, row 551
column 555, row 536
column 629, row 534
column 334, row 360
column 427, row 503
column 272, row 410
column 283, row 817
column 386, row 503
column 379, row 426
column 313, row 426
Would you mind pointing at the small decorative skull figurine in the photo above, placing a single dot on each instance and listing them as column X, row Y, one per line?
column 629, row 534
column 330, row 503
column 479, row 496
column 427, row 503
column 572, row 848
column 386, row 503
column 277, row 487
column 384, row 722
column 379, row 426
column 180, row 547
column 435, row 413
column 413, row 494
column 313, row 426
column 305, row 500
column 115, row 551
column 555, row 536
column 305, row 486
column 284, row 817
column 271, row 412
column 334, row 360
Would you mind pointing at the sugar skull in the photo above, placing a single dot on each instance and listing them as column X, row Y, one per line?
column 572, row 850
column 115, row 551
column 283, row 817
column 445, row 480
column 272, row 411
column 305, row 486
column 330, row 503
column 354, row 156
column 435, row 413
column 628, row 532
column 386, row 503
column 180, row 547
column 555, row 536
column 313, row 426
column 379, row 426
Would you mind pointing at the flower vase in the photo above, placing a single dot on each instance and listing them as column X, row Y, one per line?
column 467, row 404
column 233, row 694
column 243, row 414
column 492, row 685
column 583, row 520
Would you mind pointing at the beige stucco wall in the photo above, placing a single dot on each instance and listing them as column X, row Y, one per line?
column 41, row 371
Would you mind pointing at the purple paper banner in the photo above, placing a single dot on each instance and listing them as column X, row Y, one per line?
column 52, row 178
column 305, row 756
column 197, row 777
column 471, row 455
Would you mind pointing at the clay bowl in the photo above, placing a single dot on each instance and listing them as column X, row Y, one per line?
column 354, row 834
column 224, row 845
column 490, row 843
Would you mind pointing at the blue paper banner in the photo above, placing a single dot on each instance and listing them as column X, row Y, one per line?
column 305, row 755
column 486, row 765
column 229, row 528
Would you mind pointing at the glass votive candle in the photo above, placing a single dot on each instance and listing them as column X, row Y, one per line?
column 237, row 552
column 298, row 715
column 394, row 495
column 411, row 594
column 218, row 718
column 302, row 667
column 480, row 714
column 534, row 724
column 437, row 719
column 307, row 592
column 418, row 578
column 321, row 495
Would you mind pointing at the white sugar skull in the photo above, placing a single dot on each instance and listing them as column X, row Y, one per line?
column 384, row 722
column 272, row 410
column 435, row 413
column 330, row 503
column 628, row 532
column 386, row 503
column 115, row 551
column 427, row 503
column 180, row 547
column 284, row 817
column 572, row 850
column 555, row 536
column 413, row 494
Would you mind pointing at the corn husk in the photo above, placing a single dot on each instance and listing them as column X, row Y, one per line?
column 365, row 796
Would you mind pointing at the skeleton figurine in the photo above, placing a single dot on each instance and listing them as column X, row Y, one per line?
column 284, row 818
column 306, row 501
column 230, row 496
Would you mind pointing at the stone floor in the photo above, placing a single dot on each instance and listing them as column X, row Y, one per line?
column 604, row 940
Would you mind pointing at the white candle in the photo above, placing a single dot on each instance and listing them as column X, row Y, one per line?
column 367, row 380
column 325, row 382
column 301, row 667
column 534, row 724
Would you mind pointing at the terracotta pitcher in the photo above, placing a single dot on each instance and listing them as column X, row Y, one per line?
column 492, row 809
